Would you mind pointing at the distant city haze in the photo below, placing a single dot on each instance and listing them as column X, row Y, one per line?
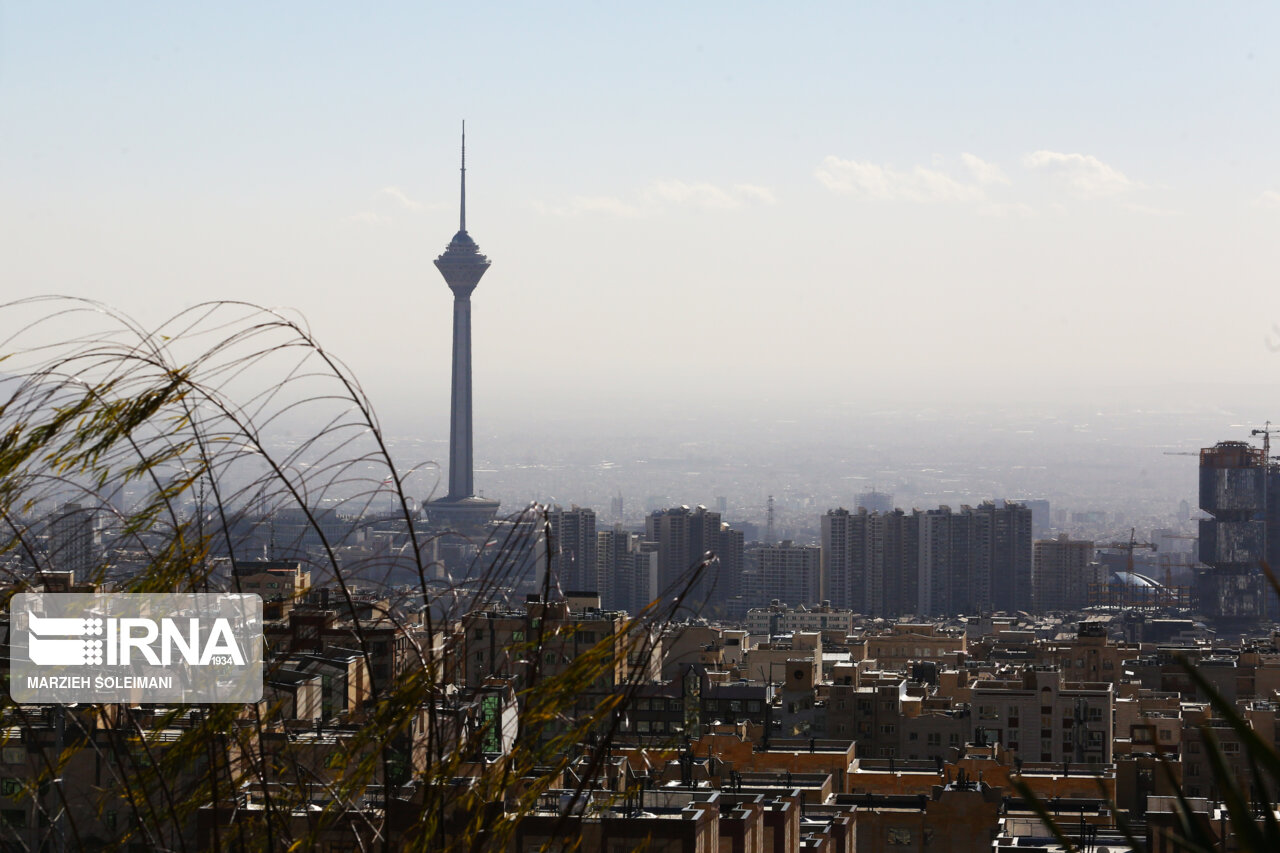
column 1116, row 459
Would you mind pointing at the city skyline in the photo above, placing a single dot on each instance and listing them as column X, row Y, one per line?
column 921, row 356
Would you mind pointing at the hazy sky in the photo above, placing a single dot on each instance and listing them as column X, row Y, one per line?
column 721, row 203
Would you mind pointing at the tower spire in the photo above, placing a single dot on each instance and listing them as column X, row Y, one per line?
column 462, row 215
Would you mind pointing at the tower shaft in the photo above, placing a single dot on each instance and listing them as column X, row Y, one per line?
column 461, row 475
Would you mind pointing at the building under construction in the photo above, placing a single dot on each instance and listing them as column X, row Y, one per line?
column 1240, row 489
column 1119, row 585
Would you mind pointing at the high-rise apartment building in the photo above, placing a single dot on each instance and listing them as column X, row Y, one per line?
column 628, row 570
column 791, row 574
column 71, row 540
column 573, row 549
column 943, row 572
column 684, row 536
column 853, row 559
column 931, row 563
column 1003, row 575
column 1061, row 574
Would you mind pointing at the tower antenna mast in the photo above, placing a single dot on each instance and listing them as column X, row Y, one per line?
column 462, row 208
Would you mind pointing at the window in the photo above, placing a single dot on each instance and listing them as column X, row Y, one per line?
column 1193, row 769
column 888, row 729
column 913, row 736
column 517, row 636
column 1095, row 714
column 898, row 836
column 935, row 739
column 1230, row 748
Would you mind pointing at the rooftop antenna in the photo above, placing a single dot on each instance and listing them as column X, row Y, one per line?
column 462, row 215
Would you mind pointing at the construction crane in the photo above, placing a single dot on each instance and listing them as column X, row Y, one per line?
column 1128, row 547
column 1266, row 432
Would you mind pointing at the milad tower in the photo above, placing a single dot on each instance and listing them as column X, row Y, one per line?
column 462, row 266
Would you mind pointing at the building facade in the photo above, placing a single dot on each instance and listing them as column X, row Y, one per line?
column 574, row 562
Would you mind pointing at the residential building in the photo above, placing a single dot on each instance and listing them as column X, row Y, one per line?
column 684, row 538
column 574, row 562
column 1061, row 574
column 790, row 573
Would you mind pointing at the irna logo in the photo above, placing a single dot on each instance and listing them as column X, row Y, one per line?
column 135, row 647
column 61, row 641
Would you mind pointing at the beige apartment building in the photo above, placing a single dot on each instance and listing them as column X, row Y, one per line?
column 1040, row 717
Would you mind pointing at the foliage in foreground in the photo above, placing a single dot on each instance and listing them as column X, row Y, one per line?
column 223, row 416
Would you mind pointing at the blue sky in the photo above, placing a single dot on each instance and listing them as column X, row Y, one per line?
column 726, row 200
